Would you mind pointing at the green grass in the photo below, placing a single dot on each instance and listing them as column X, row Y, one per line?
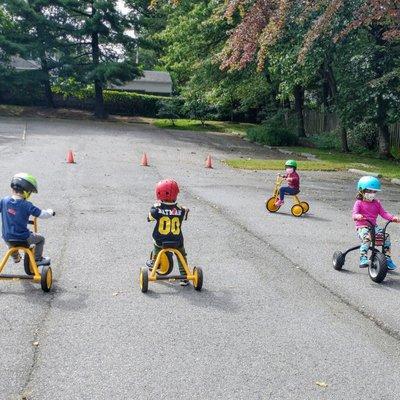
column 194, row 125
column 328, row 161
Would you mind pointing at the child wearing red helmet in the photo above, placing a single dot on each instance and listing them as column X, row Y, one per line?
column 169, row 217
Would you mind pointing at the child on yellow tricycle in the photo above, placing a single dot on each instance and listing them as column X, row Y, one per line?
column 15, row 213
column 291, row 176
column 168, row 240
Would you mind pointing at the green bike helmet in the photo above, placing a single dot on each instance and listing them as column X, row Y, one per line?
column 370, row 183
column 291, row 163
column 24, row 183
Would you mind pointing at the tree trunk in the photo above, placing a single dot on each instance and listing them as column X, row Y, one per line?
column 383, row 129
column 99, row 110
column 344, row 142
column 46, row 83
column 326, row 94
column 43, row 61
column 378, row 63
column 299, row 106
column 330, row 78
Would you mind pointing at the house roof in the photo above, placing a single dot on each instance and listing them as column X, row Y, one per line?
column 155, row 76
column 23, row 65
column 150, row 82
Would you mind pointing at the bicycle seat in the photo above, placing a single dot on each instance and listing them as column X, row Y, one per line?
column 171, row 245
column 18, row 243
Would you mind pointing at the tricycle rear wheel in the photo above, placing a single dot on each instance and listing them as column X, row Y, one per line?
column 46, row 279
column 297, row 210
column 198, row 278
column 144, row 279
column 338, row 260
column 305, row 206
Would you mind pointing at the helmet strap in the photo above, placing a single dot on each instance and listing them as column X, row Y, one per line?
column 26, row 194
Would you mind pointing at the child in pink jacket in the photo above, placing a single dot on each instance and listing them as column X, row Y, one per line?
column 368, row 208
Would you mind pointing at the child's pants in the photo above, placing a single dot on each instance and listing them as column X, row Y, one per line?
column 365, row 236
column 287, row 190
column 37, row 240
column 157, row 249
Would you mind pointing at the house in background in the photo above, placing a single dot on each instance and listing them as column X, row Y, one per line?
column 152, row 82
column 20, row 64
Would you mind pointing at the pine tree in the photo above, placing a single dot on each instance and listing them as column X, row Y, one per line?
column 100, row 49
column 36, row 35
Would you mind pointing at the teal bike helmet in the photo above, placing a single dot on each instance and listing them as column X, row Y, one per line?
column 369, row 183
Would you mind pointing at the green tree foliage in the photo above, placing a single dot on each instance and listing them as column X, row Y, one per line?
column 193, row 38
column 37, row 32
column 170, row 109
column 100, row 49
column 336, row 34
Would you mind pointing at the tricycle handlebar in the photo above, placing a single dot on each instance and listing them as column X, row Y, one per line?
column 371, row 225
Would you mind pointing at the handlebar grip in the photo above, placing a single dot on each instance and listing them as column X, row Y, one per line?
column 30, row 222
column 54, row 213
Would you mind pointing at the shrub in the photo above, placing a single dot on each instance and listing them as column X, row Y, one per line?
column 117, row 102
column 326, row 141
column 274, row 132
column 198, row 108
column 170, row 109
column 363, row 136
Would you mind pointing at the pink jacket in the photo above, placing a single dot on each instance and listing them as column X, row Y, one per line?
column 370, row 210
column 293, row 180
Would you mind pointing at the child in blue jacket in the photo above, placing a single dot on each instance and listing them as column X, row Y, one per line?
column 15, row 212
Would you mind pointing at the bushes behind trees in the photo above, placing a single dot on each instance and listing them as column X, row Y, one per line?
column 116, row 102
column 276, row 131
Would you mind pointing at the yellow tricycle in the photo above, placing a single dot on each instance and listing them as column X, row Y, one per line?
column 299, row 207
column 163, row 266
column 44, row 277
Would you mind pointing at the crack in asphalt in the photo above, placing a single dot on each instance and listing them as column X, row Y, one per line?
column 40, row 330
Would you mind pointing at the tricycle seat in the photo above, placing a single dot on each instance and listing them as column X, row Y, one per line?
column 18, row 243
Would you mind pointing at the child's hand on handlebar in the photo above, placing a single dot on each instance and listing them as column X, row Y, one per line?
column 396, row 218
column 358, row 217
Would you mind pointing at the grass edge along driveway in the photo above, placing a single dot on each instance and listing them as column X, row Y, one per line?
column 326, row 161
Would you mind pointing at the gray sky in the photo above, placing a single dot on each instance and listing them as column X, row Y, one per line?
column 121, row 6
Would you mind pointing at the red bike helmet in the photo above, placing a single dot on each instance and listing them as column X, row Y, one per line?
column 167, row 191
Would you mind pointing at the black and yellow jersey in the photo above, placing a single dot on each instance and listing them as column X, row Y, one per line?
column 169, row 218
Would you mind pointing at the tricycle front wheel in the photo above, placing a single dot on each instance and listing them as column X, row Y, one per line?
column 270, row 205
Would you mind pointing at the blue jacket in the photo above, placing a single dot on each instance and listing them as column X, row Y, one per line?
column 15, row 215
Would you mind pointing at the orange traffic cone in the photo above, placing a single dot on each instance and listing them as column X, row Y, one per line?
column 209, row 162
column 70, row 157
column 144, row 162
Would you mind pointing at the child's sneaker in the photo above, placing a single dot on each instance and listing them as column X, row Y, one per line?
column 184, row 282
column 390, row 264
column 279, row 202
column 150, row 264
column 364, row 262
column 43, row 261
